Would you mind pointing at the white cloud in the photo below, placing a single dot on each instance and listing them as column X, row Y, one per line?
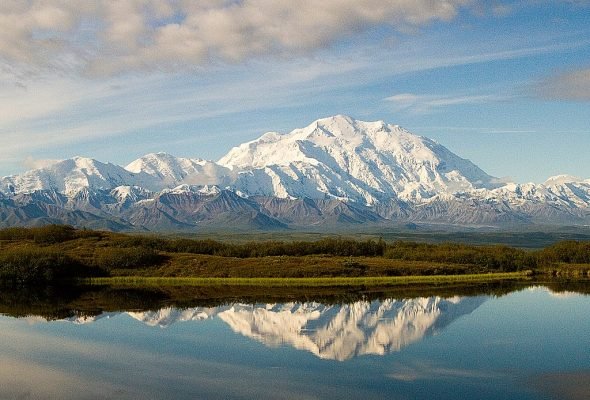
column 570, row 86
column 104, row 36
column 34, row 163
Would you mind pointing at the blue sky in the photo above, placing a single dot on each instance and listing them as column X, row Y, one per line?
column 503, row 83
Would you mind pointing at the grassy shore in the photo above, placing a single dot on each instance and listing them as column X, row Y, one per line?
column 54, row 253
column 308, row 282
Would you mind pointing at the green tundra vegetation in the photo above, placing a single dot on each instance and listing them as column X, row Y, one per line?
column 57, row 252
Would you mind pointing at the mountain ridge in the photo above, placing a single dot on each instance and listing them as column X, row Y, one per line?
column 336, row 170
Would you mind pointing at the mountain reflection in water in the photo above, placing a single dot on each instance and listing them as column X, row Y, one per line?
column 336, row 332
column 500, row 341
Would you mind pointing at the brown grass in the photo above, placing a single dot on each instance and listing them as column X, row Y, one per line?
column 195, row 265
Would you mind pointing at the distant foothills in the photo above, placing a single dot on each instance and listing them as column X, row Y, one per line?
column 332, row 174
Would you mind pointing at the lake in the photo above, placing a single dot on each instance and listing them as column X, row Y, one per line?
column 510, row 342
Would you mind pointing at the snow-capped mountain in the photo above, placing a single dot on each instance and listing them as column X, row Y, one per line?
column 336, row 170
column 340, row 157
column 168, row 171
column 335, row 332
column 69, row 176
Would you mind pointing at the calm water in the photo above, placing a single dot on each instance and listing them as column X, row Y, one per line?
column 531, row 343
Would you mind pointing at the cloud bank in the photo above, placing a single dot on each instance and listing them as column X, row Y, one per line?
column 105, row 37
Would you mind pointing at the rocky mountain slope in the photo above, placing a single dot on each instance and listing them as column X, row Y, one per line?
column 335, row 171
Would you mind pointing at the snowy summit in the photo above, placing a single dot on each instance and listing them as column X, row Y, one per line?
column 334, row 170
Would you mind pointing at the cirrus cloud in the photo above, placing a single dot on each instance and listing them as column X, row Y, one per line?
column 423, row 104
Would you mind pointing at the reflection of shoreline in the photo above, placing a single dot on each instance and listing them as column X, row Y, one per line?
column 86, row 303
column 54, row 303
column 331, row 332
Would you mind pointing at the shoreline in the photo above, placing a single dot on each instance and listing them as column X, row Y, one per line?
column 308, row 282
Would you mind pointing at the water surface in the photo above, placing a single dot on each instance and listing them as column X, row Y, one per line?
column 530, row 343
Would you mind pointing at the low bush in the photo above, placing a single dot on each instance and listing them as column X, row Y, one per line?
column 497, row 258
column 16, row 233
column 328, row 246
column 51, row 234
column 37, row 265
column 109, row 258
column 570, row 251
column 88, row 233
column 48, row 234
column 206, row 246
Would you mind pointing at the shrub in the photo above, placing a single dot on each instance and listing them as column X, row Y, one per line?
column 109, row 258
column 16, row 233
column 328, row 246
column 51, row 234
column 87, row 234
column 569, row 251
column 146, row 242
column 206, row 246
column 35, row 265
column 499, row 258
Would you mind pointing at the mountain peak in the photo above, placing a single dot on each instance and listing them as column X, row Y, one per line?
column 274, row 148
column 561, row 180
column 345, row 126
column 69, row 176
column 344, row 123
column 344, row 158
column 155, row 161
column 335, row 119
column 163, row 170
